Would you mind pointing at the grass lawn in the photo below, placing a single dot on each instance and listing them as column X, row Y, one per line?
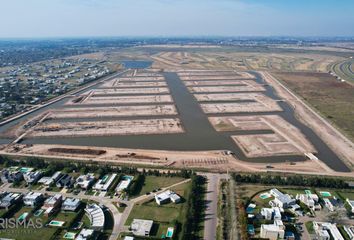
column 153, row 182
column 66, row 217
column 44, row 232
column 30, row 233
column 164, row 215
column 347, row 194
column 331, row 98
column 309, row 227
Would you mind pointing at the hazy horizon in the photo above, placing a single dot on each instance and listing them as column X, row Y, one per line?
column 179, row 18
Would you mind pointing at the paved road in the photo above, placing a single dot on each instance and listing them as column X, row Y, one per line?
column 211, row 212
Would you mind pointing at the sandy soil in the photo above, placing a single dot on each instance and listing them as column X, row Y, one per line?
column 118, row 111
column 210, row 97
column 211, row 73
column 270, row 106
column 116, row 83
column 341, row 145
column 212, row 160
column 141, row 79
column 286, row 140
column 216, row 77
column 122, row 100
column 220, row 82
column 107, row 128
column 161, row 90
column 222, row 89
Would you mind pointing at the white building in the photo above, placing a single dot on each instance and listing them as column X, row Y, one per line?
column 49, row 180
column 328, row 204
column 351, row 204
column 104, row 183
column 271, row 213
column 273, row 231
column 280, row 199
column 85, row 234
column 85, row 181
column 70, row 204
column 124, row 183
column 32, row 199
column 310, row 200
column 53, row 201
column 32, row 177
column 96, row 215
column 350, row 231
column 322, row 227
column 141, row 227
column 167, row 196
column 9, row 199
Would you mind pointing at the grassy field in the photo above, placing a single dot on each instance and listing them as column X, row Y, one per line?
column 331, row 98
column 344, row 69
column 44, row 232
column 164, row 216
column 153, row 182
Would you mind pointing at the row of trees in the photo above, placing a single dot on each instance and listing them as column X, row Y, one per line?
column 52, row 166
column 195, row 209
column 294, row 180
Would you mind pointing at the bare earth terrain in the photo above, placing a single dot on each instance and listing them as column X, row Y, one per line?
column 107, row 128
column 87, row 100
column 99, row 112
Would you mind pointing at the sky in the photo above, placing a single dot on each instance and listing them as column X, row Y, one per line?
column 85, row 18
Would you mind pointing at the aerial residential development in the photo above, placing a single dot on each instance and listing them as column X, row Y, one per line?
column 183, row 120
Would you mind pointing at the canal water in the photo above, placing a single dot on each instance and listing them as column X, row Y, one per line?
column 199, row 133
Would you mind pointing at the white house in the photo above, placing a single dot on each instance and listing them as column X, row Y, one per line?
column 328, row 204
column 310, row 200
column 32, row 199
column 32, row 177
column 280, row 199
column 322, row 227
column 351, row 204
column 70, row 204
column 167, row 196
column 96, row 215
column 141, row 227
column 273, row 231
column 124, row 183
column 104, row 183
column 271, row 213
column 85, row 181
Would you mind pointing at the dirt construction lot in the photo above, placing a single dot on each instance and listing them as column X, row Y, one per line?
column 120, row 100
column 107, row 128
column 119, row 84
column 240, row 107
column 122, row 91
column 222, row 89
column 119, row 111
column 286, row 139
column 211, row 97
column 216, row 83
column 262, row 145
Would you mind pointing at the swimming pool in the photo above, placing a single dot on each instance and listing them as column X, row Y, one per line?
column 308, row 192
column 38, row 212
column 69, row 235
column 169, row 233
column 55, row 223
column 23, row 216
column 265, row 195
column 325, row 194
